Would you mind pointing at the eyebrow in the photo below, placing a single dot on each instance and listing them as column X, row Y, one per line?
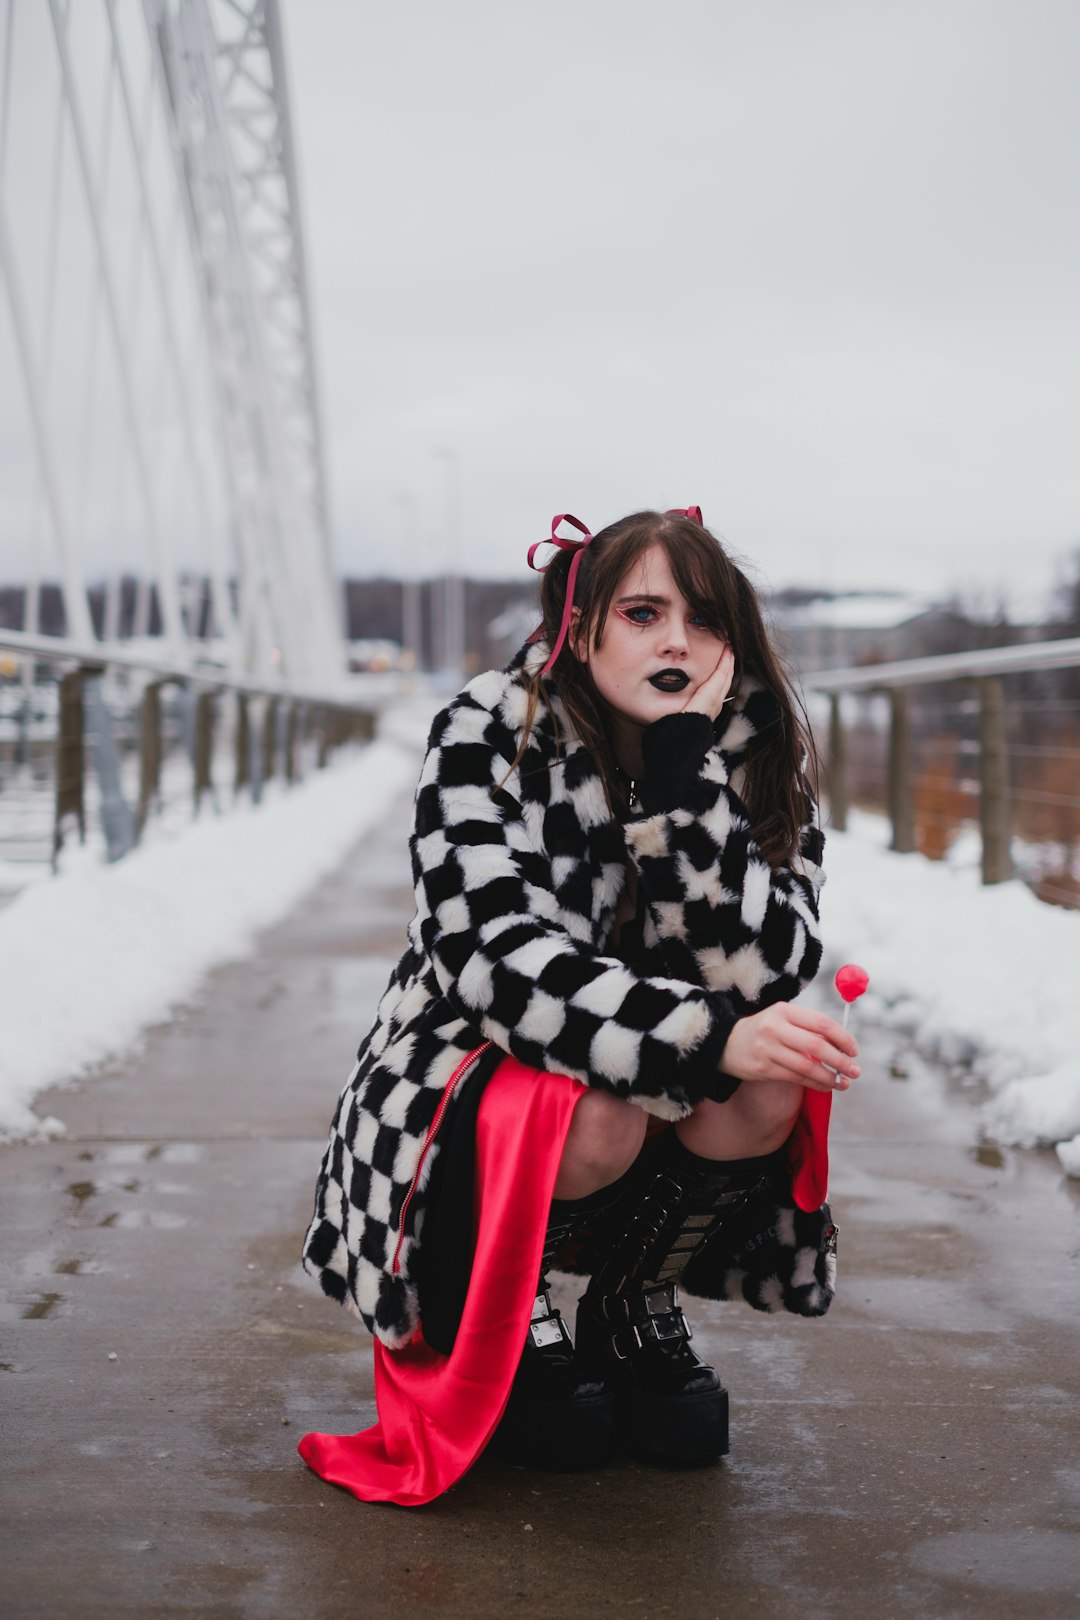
column 643, row 596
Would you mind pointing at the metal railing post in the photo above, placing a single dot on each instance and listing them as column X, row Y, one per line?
column 901, row 795
column 837, row 766
column 993, row 783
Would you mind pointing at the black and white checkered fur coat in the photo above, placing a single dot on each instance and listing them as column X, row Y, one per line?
column 517, row 881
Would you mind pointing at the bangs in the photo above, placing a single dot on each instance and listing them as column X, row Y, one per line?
column 697, row 564
column 704, row 574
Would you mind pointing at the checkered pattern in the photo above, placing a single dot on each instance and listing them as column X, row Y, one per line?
column 722, row 915
column 517, row 879
column 774, row 1256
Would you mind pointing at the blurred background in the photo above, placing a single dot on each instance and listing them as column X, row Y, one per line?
column 311, row 315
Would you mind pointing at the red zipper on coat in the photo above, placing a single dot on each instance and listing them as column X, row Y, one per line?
column 444, row 1102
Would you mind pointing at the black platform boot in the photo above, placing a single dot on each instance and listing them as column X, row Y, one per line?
column 561, row 1414
column 672, row 1406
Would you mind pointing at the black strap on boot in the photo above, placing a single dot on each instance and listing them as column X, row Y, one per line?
column 673, row 1405
column 560, row 1415
column 546, row 1327
column 667, row 1212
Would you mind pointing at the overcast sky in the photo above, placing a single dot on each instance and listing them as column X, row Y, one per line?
column 809, row 263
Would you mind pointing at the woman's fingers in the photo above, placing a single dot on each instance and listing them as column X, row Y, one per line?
column 794, row 1044
column 820, row 1064
column 830, row 1030
column 708, row 697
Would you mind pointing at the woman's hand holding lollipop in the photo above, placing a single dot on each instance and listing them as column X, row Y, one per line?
column 789, row 1042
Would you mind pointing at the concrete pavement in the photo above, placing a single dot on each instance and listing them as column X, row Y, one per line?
column 917, row 1453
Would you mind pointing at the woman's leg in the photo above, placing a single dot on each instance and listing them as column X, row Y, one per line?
column 755, row 1121
column 561, row 1414
column 673, row 1406
column 604, row 1140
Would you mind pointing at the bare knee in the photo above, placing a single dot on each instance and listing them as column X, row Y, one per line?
column 757, row 1119
column 605, row 1138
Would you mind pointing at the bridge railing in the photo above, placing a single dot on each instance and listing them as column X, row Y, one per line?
column 269, row 729
column 1018, row 776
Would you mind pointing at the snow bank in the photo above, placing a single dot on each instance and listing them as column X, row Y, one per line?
column 95, row 956
column 984, row 976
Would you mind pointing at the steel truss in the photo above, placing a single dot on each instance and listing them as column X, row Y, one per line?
column 241, row 403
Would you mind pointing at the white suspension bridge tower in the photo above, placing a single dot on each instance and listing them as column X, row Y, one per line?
column 160, row 413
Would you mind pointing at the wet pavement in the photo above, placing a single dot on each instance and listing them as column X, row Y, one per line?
column 916, row 1453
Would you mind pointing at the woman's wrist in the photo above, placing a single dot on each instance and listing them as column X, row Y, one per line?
column 674, row 750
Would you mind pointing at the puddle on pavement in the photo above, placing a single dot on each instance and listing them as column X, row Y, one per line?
column 81, row 1191
column 1014, row 1560
column 139, row 1153
column 40, row 1308
column 1070, row 1480
column 182, row 1153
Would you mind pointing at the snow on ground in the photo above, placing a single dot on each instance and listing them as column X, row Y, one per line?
column 984, row 977
column 95, row 956
column 988, row 977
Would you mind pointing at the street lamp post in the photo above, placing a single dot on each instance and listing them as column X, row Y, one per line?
column 411, row 635
column 453, row 615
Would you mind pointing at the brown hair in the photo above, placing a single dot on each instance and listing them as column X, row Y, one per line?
column 775, row 788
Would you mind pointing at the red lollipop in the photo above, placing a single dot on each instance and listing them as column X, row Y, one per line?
column 851, row 981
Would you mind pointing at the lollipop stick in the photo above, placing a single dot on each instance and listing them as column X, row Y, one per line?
column 847, row 1015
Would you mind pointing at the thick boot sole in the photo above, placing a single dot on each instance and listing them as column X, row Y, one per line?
column 557, row 1436
column 675, row 1431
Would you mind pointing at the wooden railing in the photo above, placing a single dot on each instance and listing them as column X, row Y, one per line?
column 985, row 670
column 266, row 711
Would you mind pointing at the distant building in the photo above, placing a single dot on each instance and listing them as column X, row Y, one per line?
column 880, row 627
column 861, row 627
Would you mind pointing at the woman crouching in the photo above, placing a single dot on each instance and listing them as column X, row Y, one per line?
column 587, row 1057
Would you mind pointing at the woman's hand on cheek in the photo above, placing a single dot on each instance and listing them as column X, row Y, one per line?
column 708, row 697
column 792, row 1043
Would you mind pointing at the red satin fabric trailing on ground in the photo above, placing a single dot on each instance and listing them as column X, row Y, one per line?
column 437, row 1413
column 808, row 1150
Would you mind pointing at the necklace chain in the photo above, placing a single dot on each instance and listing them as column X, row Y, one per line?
column 631, row 786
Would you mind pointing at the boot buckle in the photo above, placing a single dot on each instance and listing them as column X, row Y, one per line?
column 660, row 1320
column 547, row 1326
column 664, row 1318
column 550, row 1330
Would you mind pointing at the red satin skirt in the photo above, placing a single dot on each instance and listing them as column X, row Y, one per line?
column 436, row 1412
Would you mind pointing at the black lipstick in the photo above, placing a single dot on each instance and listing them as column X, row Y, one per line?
column 670, row 680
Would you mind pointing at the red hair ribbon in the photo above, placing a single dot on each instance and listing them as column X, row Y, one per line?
column 578, row 548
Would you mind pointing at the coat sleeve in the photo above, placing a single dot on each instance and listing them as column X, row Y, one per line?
column 505, row 959
column 725, row 917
